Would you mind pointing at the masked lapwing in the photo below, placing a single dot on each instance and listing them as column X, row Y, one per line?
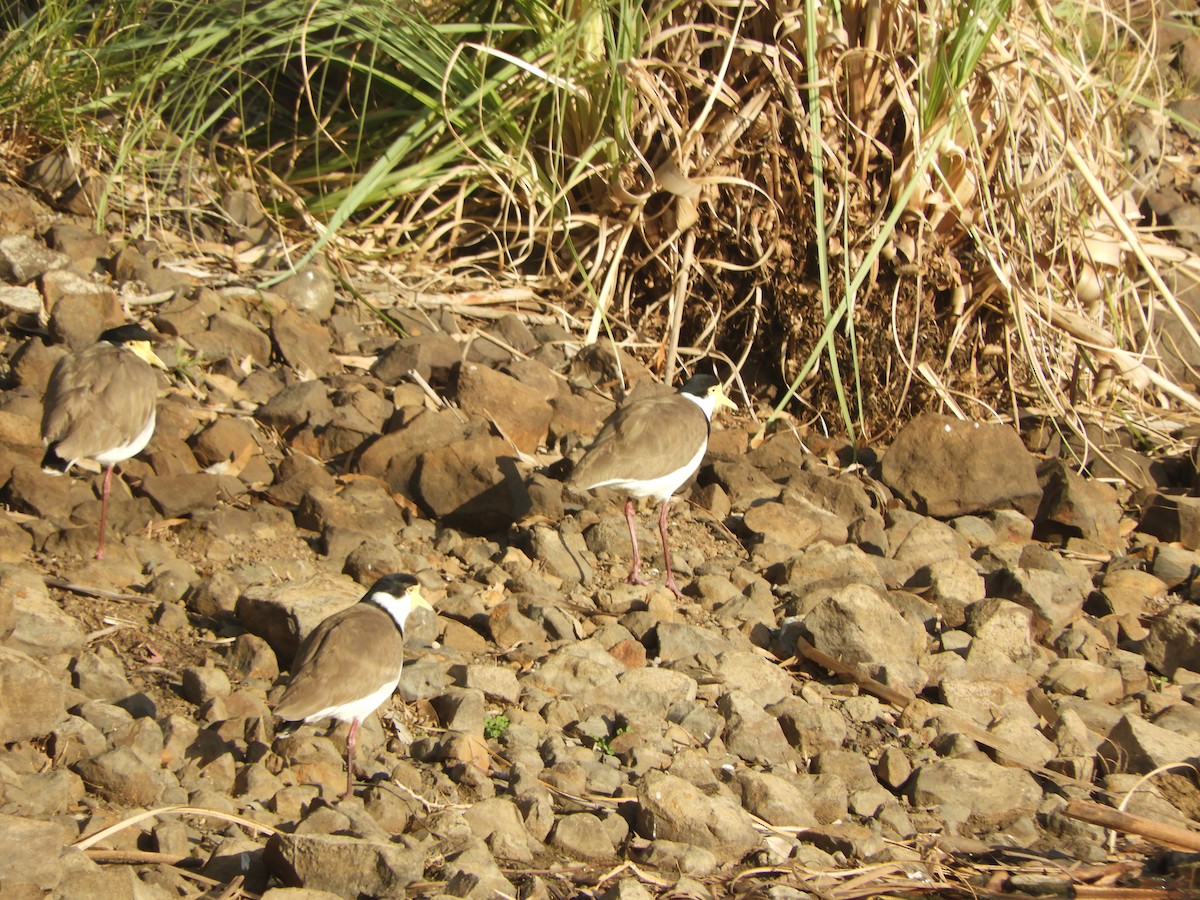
column 350, row 664
column 100, row 405
column 649, row 448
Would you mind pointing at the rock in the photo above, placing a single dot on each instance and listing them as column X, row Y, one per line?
column 121, row 776
column 24, row 300
column 35, row 853
column 994, row 796
column 1172, row 519
column 582, row 836
column 309, row 291
column 749, row 732
column 22, row 259
column 40, row 628
column 346, row 866
column 1075, row 506
column 393, row 458
column 952, row 585
column 943, row 467
column 562, row 552
column 810, row 727
column 33, row 697
column 472, row 873
column 299, row 404
column 498, row 822
column 231, row 337
column 101, row 675
column 670, row 808
column 430, row 355
column 1129, row 592
column 283, row 614
column 1174, row 640
column 1083, row 678
column 204, row 683
column 179, row 495
column 1056, row 597
column 792, row 526
column 471, row 484
column 303, row 343
column 252, row 657
column 859, row 627
column 521, row 412
column 1140, row 747
column 774, row 799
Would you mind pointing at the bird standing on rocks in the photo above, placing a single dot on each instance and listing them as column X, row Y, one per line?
column 649, row 448
column 350, row 663
column 100, row 405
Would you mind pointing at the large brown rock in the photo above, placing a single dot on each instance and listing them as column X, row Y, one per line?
column 520, row 411
column 943, row 467
column 473, row 484
column 283, row 614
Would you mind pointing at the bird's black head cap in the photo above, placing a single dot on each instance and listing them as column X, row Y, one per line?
column 699, row 385
column 395, row 584
column 125, row 334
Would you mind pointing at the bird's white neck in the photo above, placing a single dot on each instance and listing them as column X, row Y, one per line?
column 398, row 608
column 707, row 403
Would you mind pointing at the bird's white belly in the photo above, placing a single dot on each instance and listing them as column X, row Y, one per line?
column 660, row 488
column 356, row 710
column 130, row 449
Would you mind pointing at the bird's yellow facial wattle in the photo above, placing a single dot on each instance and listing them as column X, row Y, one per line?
column 144, row 351
column 719, row 398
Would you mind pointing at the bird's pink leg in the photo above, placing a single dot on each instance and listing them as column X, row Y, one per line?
column 634, row 576
column 662, row 529
column 105, row 490
column 351, row 741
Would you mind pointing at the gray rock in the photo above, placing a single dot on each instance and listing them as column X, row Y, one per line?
column 299, row 404
column 994, row 796
column 792, row 526
column 774, row 799
column 101, row 675
column 22, row 259
column 430, row 355
column 41, row 629
column 810, row 727
column 1057, row 598
column 672, row 809
column 251, row 657
column 745, row 670
column 203, row 683
column 927, row 541
column 1174, row 640
column 859, row 627
column 34, row 853
column 1084, row 678
column 582, row 836
column 499, row 823
column 943, row 467
column 952, row 586
column 76, row 739
column 750, row 732
column 584, row 670
column 345, row 866
column 309, row 290
column 34, row 701
column 473, row 873
column 1075, row 506
column 562, row 552
column 23, row 300
column 284, row 614
column 231, row 337
column 121, row 776
column 496, row 682
column 1139, row 747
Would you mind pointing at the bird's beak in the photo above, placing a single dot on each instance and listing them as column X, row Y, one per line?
column 146, row 352
column 419, row 601
column 722, row 400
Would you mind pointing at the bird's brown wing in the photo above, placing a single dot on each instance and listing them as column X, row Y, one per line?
column 97, row 399
column 332, row 667
column 646, row 439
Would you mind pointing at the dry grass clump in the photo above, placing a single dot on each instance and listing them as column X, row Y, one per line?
column 878, row 205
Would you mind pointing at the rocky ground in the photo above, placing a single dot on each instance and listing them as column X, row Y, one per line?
column 894, row 672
